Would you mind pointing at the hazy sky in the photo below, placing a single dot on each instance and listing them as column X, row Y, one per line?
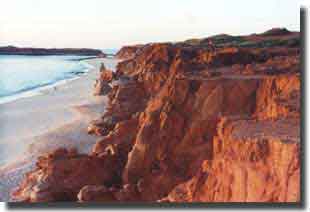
column 113, row 23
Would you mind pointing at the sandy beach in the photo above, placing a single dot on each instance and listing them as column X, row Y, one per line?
column 58, row 117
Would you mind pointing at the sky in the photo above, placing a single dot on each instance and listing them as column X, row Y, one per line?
column 114, row 23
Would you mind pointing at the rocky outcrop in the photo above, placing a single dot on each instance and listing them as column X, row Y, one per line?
column 128, row 52
column 101, row 88
column 254, row 161
column 279, row 97
column 185, row 123
column 102, row 85
column 60, row 176
column 177, row 135
column 12, row 50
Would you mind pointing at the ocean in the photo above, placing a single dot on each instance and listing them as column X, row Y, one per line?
column 23, row 76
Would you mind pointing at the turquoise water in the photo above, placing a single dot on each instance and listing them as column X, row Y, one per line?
column 20, row 76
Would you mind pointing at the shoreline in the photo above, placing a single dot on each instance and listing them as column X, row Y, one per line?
column 40, row 89
column 57, row 117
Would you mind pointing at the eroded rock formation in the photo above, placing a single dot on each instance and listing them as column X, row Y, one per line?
column 60, row 176
column 102, row 85
column 186, row 123
column 128, row 52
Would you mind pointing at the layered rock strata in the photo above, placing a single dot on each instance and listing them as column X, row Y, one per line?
column 186, row 123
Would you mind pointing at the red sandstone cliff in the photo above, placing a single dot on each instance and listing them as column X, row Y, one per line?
column 186, row 123
column 128, row 52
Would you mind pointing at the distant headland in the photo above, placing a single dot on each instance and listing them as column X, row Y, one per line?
column 12, row 50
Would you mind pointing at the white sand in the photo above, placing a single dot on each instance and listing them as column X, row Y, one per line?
column 56, row 118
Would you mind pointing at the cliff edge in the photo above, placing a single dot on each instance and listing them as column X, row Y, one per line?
column 189, row 122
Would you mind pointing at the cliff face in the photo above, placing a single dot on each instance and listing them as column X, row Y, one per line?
column 178, row 130
column 247, row 167
column 187, row 123
column 128, row 52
